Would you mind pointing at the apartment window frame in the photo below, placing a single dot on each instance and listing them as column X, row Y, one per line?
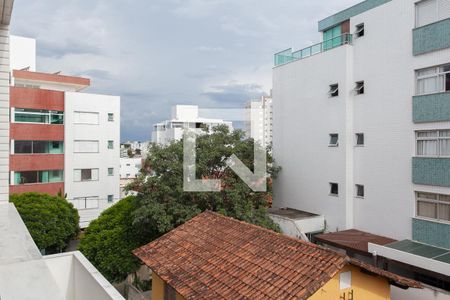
column 48, row 116
column 32, row 146
column 92, row 173
column 438, row 139
column 360, row 30
column 110, row 171
column 333, row 136
column 334, row 189
column 81, row 141
column 86, row 199
column 80, row 122
column 360, row 87
column 438, row 11
column 439, row 204
column 110, row 144
column 110, row 198
column 110, row 117
column 359, row 139
column 359, row 191
column 441, row 73
column 39, row 175
column 334, row 90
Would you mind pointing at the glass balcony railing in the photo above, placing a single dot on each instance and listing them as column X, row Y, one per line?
column 287, row 56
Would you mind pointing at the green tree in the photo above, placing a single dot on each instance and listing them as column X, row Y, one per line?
column 162, row 204
column 51, row 220
column 109, row 240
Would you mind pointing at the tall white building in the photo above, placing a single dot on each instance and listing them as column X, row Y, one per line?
column 362, row 125
column 184, row 117
column 259, row 120
column 62, row 141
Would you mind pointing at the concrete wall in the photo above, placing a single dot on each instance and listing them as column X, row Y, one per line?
column 104, row 159
column 23, row 53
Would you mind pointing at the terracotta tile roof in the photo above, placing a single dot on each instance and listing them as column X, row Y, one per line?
column 353, row 239
column 216, row 257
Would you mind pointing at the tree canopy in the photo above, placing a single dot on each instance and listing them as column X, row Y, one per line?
column 162, row 204
column 51, row 220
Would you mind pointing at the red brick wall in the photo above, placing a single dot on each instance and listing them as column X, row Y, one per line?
column 34, row 162
column 36, row 98
column 48, row 188
column 36, row 132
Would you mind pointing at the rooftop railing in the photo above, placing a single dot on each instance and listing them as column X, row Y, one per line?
column 287, row 56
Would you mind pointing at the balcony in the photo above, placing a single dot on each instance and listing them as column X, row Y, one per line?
column 431, row 233
column 431, row 171
column 431, row 37
column 287, row 56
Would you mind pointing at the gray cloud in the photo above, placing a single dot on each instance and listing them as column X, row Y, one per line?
column 154, row 54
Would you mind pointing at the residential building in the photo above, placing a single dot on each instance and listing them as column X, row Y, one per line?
column 137, row 148
column 259, row 120
column 130, row 168
column 361, row 126
column 216, row 257
column 24, row 273
column 184, row 117
column 62, row 141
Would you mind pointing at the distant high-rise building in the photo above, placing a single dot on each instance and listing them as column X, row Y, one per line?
column 184, row 117
column 62, row 141
column 259, row 120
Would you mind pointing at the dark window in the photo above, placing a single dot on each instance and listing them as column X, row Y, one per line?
column 334, row 90
column 169, row 292
column 359, row 89
column 86, row 174
column 334, row 189
column 360, row 139
column 447, row 78
column 22, row 147
column 360, row 190
column 29, row 177
column 334, row 139
column 110, row 198
column 40, row 147
column 359, row 30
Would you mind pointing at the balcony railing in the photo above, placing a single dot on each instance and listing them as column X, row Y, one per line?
column 288, row 56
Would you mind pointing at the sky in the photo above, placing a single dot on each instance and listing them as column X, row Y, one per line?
column 158, row 53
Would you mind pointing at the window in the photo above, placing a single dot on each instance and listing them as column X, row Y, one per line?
column 110, row 171
column 359, row 30
column 334, row 90
column 359, row 139
column 30, row 177
column 81, row 117
column 433, row 206
column 359, row 89
column 85, row 174
column 85, row 202
column 433, row 80
column 345, row 280
column 41, row 116
column 38, row 147
column 169, row 292
column 110, row 144
column 359, row 190
column 334, row 140
column 110, row 117
column 430, row 11
column 334, row 189
column 434, row 143
column 85, row 147
column 110, row 198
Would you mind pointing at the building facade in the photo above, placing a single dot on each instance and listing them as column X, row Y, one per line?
column 62, row 141
column 259, row 120
column 184, row 117
column 362, row 122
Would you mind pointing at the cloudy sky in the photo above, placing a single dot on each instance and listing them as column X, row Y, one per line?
column 157, row 53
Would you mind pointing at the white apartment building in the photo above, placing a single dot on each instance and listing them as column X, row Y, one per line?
column 259, row 120
column 130, row 167
column 137, row 147
column 184, row 117
column 62, row 141
column 361, row 125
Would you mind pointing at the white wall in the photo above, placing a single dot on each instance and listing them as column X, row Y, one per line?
column 130, row 167
column 23, row 53
column 4, row 113
column 304, row 115
column 104, row 159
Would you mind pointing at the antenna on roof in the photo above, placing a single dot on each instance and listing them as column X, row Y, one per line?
column 25, row 69
column 57, row 73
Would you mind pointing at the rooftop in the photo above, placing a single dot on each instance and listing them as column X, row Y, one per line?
column 353, row 240
column 38, row 77
column 216, row 257
column 290, row 213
